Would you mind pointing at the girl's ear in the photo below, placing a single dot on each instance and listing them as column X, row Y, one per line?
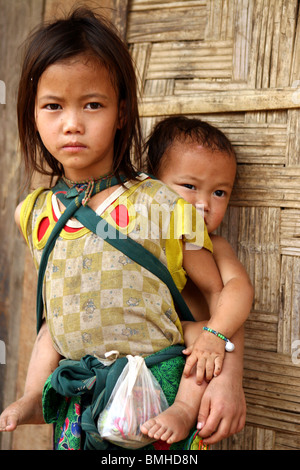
column 122, row 114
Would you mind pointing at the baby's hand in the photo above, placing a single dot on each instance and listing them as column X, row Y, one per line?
column 208, row 353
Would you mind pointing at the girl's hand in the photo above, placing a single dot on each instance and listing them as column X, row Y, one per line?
column 10, row 418
column 207, row 354
column 222, row 411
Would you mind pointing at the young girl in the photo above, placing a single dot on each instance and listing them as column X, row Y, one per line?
column 78, row 122
column 198, row 162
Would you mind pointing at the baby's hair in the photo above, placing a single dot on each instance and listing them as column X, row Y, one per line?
column 183, row 129
column 81, row 32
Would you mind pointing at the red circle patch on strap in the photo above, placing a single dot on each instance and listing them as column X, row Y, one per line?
column 42, row 229
column 120, row 215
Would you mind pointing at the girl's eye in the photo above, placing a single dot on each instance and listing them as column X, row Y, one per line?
column 219, row 193
column 53, row 106
column 189, row 186
column 93, row 105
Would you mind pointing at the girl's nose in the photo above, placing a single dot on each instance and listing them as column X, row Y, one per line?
column 72, row 123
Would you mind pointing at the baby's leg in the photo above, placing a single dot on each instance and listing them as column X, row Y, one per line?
column 28, row 409
column 175, row 423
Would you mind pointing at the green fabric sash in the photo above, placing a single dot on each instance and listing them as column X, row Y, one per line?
column 73, row 203
column 94, row 383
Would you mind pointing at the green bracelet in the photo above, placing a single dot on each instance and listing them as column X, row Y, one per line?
column 229, row 346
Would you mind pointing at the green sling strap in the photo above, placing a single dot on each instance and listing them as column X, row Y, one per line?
column 87, row 217
column 73, row 204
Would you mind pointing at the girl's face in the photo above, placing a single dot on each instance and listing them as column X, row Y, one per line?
column 202, row 177
column 77, row 114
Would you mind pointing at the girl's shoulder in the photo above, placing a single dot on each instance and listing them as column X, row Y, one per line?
column 156, row 191
column 38, row 196
column 25, row 208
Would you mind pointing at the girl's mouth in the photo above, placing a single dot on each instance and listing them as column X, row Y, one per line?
column 74, row 147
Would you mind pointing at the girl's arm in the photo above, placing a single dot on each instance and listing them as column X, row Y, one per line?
column 17, row 217
column 222, row 409
column 223, row 406
column 44, row 360
column 28, row 409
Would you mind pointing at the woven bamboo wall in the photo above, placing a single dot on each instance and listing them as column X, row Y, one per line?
column 235, row 63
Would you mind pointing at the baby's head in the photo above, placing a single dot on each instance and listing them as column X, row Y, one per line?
column 81, row 34
column 197, row 161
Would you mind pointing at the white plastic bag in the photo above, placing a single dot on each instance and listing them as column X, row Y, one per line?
column 136, row 397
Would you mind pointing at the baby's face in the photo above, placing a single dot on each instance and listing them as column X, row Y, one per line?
column 202, row 177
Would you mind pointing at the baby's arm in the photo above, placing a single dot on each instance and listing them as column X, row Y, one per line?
column 209, row 352
column 229, row 306
column 28, row 409
column 236, row 298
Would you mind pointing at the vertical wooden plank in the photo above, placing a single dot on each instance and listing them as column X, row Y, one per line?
column 287, row 38
column 289, row 330
column 242, row 40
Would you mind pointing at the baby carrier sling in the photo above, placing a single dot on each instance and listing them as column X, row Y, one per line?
column 72, row 200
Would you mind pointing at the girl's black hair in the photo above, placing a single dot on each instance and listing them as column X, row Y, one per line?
column 81, row 32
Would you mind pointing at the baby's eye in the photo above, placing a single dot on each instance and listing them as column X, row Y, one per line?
column 53, row 106
column 189, row 186
column 219, row 193
column 93, row 105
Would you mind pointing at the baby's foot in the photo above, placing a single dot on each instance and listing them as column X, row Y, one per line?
column 173, row 424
